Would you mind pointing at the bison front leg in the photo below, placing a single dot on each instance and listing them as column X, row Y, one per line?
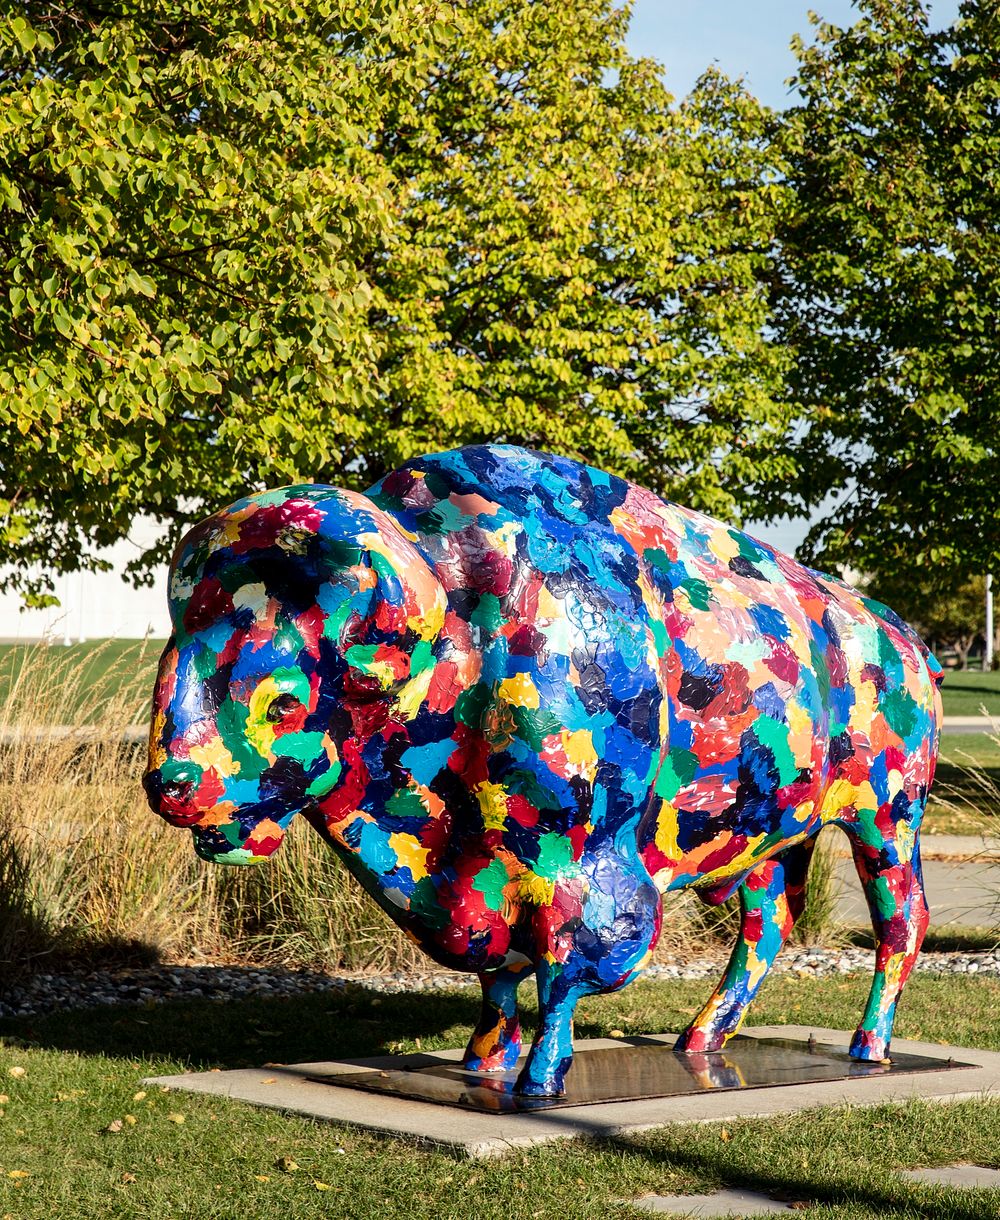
column 544, row 1074
column 598, row 950
column 771, row 900
column 496, row 1042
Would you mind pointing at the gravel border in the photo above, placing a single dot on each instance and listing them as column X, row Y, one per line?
column 73, row 989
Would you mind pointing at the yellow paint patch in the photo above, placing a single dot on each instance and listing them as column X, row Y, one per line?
column 840, row 795
column 529, row 887
column 413, row 693
column 410, row 854
column 548, row 608
column 519, row 691
column 259, row 730
column 580, row 752
column 722, row 544
column 493, row 805
column 215, row 756
column 157, row 750
column 863, row 711
column 667, row 825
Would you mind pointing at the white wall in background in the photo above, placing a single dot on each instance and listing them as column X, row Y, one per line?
column 96, row 605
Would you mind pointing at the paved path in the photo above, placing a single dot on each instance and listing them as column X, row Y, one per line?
column 970, row 724
column 961, row 874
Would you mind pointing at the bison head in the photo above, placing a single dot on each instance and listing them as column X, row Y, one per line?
column 284, row 606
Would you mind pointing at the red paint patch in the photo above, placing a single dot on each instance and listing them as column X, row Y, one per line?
column 209, row 603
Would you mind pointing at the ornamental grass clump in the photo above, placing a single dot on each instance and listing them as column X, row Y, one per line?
column 89, row 876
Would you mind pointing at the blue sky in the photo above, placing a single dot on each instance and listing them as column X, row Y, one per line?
column 745, row 37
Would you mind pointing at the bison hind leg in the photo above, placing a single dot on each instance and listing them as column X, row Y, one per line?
column 495, row 1044
column 772, row 897
column 889, row 869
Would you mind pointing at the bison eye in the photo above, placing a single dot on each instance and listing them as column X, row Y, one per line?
column 281, row 707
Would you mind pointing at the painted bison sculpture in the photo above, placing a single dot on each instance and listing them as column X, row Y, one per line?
column 521, row 699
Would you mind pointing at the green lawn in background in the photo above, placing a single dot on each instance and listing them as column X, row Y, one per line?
column 965, row 798
column 964, row 692
column 173, row 1154
column 83, row 673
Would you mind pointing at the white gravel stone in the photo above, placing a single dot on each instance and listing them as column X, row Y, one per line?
column 82, row 989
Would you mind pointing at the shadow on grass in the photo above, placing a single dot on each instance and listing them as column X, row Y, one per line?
column 246, row 1032
column 895, row 1198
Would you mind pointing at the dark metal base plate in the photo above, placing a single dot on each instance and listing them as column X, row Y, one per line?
column 638, row 1069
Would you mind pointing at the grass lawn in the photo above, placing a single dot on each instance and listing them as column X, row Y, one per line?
column 77, row 676
column 965, row 692
column 179, row 1155
column 966, row 791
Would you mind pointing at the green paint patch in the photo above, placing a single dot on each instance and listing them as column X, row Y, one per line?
column 488, row 614
column 900, row 711
column 658, row 559
column 535, row 724
column 555, row 856
column 424, row 905
column 361, row 656
column 773, row 735
column 470, row 707
column 661, row 641
column 699, row 594
column 406, row 803
column 422, row 657
column 490, row 883
column 679, row 768
column 326, row 782
column 303, row 747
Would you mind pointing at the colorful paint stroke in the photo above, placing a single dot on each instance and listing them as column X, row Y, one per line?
column 522, row 698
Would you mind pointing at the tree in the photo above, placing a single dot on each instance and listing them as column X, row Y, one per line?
column 946, row 616
column 251, row 244
column 889, row 290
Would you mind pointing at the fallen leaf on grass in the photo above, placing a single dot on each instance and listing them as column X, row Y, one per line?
column 127, row 1177
column 724, row 1135
column 113, row 1127
column 4, row 1099
column 17, row 1072
column 286, row 1164
column 175, row 1118
column 140, row 1096
column 616, row 1033
column 18, row 1174
column 262, row 1177
column 321, row 1185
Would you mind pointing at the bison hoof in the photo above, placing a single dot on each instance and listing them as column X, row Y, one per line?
column 869, row 1047
column 536, row 1088
column 498, row 1061
column 694, row 1041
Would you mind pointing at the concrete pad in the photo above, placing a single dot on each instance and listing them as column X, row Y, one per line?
column 975, row 1177
column 719, row 1203
column 287, row 1087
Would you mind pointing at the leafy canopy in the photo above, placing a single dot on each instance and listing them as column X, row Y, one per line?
column 247, row 244
column 889, row 292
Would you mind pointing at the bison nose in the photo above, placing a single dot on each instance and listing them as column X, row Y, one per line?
column 173, row 788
